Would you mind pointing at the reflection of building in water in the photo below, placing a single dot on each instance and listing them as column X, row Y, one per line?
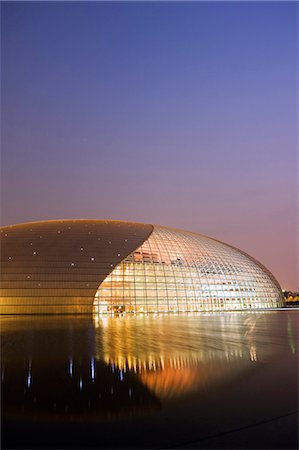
column 292, row 338
column 72, row 390
column 177, row 356
column 70, row 368
column 49, row 371
column 152, row 342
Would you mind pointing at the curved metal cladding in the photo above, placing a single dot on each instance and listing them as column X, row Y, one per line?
column 57, row 266
column 175, row 270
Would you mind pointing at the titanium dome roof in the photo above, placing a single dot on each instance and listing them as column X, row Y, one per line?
column 69, row 266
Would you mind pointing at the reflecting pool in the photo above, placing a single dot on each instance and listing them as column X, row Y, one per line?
column 150, row 381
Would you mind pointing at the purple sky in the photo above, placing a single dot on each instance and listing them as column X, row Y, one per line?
column 180, row 114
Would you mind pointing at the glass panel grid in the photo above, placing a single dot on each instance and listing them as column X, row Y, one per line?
column 176, row 271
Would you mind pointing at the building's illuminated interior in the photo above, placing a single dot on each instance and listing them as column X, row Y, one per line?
column 177, row 271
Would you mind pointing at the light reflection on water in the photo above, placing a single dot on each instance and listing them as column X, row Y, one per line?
column 92, row 368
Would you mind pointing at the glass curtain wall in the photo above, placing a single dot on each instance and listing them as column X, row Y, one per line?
column 176, row 271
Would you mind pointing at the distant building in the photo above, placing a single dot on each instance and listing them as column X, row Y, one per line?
column 291, row 298
column 80, row 266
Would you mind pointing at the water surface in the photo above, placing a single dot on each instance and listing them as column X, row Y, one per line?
column 149, row 381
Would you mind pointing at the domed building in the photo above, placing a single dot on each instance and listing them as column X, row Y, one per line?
column 105, row 266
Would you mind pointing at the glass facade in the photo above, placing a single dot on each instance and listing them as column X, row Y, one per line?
column 178, row 271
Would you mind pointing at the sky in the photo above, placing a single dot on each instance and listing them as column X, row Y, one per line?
column 179, row 114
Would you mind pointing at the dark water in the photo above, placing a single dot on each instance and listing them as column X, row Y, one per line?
column 192, row 381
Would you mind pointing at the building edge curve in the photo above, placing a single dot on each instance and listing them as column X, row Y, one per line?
column 181, row 271
column 79, row 265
